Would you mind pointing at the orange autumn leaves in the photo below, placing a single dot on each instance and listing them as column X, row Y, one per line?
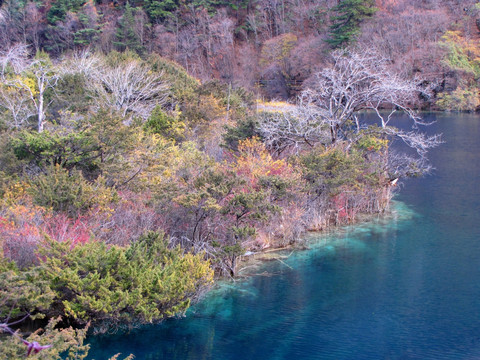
column 254, row 162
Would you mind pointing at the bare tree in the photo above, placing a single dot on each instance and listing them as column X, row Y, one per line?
column 293, row 127
column 10, row 23
column 327, row 112
column 359, row 81
column 222, row 52
column 81, row 62
column 31, row 78
column 252, row 23
column 15, row 57
column 129, row 86
column 18, row 106
column 33, row 24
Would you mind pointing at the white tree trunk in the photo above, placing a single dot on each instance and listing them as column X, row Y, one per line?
column 40, row 108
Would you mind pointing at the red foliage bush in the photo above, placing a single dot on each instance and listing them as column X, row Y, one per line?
column 130, row 218
column 23, row 227
column 61, row 228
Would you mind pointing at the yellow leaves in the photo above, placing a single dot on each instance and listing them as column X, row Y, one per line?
column 9, row 89
column 211, row 107
column 167, row 173
column 147, row 164
column 30, row 84
column 453, row 36
column 274, row 106
column 198, row 268
column 18, row 205
column 468, row 46
column 211, row 204
column 255, row 161
column 15, row 192
column 18, row 84
column 278, row 48
column 372, row 143
column 252, row 146
column 188, row 200
column 68, row 310
column 195, row 199
column 463, row 53
column 463, row 98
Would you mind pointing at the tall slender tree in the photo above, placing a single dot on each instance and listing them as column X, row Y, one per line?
column 346, row 22
column 126, row 36
column 31, row 79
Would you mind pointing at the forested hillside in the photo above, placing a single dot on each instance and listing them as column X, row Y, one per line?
column 140, row 155
column 270, row 46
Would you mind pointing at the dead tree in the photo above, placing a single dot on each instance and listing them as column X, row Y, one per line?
column 328, row 111
column 29, row 79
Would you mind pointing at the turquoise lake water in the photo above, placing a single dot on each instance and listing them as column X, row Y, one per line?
column 406, row 287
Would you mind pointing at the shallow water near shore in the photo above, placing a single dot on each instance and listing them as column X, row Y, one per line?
column 401, row 287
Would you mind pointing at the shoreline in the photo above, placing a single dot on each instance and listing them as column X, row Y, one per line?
column 397, row 211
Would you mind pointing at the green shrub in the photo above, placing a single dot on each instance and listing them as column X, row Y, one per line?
column 326, row 172
column 243, row 129
column 111, row 285
column 72, row 94
column 182, row 84
column 163, row 124
column 65, row 343
column 22, row 292
column 461, row 99
column 64, row 191
column 74, row 149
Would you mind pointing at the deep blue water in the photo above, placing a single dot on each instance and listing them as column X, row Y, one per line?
column 407, row 287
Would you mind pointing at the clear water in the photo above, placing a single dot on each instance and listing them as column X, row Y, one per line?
column 401, row 288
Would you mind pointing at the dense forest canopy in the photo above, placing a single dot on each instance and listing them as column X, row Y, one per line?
column 139, row 157
column 270, row 46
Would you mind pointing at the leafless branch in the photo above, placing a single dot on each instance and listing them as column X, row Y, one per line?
column 19, row 77
column 327, row 112
column 129, row 87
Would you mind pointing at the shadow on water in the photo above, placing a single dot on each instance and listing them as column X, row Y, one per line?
column 405, row 287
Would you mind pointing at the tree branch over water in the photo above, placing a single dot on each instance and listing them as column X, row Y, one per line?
column 328, row 111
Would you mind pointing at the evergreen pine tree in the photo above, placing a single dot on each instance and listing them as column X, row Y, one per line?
column 346, row 24
column 59, row 9
column 159, row 10
column 126, row 36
